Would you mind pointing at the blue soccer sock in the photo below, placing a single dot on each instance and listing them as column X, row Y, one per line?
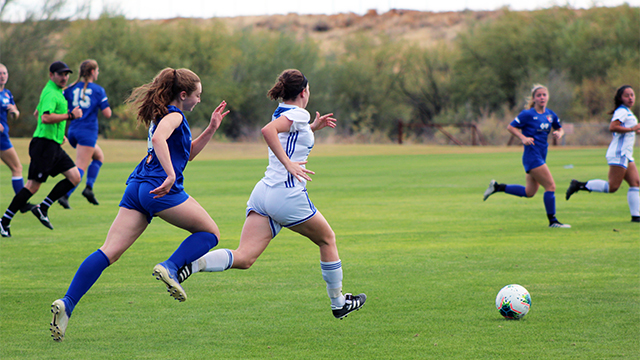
column 17, row 182
column 87, row 275
column 517, row 190
column 74, row 188
column 92, row 172
column 550, row 204
column 192, row 248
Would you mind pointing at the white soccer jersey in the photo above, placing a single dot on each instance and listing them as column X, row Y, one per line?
column 622, row 143
column 297, row 143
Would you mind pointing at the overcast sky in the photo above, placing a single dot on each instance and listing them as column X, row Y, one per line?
column 161, row 9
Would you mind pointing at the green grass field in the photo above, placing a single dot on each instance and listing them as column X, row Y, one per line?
column 413, row 234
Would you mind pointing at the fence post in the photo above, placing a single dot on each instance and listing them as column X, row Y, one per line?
column 400, row 125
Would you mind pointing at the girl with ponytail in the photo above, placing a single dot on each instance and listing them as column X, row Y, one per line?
column 155, row 188
column 83, row 132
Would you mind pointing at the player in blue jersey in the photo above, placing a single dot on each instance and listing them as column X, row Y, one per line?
column 83, row 133
column 8, row 153
column 532, row 126
column 280, row 199
column 624, row 127
column 155, row 188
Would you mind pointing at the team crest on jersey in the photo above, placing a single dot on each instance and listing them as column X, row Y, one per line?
column 549, row 118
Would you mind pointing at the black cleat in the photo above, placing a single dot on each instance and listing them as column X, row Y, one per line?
column 64, row 202
column 352, row 303
column 88, row 193
column 27, row 207
column 633, row 219
column 42, row 216
column 4, row 230
column 184, row 272
column 574, row 187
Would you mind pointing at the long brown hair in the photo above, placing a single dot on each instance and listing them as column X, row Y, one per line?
column 288, row 86
column 86, row 67
column 152, row 99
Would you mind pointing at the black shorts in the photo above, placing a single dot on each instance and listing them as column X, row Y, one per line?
column 47, row 159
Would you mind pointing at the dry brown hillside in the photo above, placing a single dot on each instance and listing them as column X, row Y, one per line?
column 422, row 28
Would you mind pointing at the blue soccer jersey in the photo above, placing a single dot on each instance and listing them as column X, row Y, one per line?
column 150, row 169
column 6, row 98
column 92, row 99
column 536, row 126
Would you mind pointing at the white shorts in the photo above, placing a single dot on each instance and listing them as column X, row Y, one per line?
column 619, row 161
column 283, row 206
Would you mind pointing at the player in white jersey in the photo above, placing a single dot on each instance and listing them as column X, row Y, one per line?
column 624, row 127
column 280, row 198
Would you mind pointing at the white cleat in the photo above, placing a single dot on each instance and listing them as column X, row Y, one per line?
column 60, row 320
column 163, row 273
column 559, row 225
column 490, row 190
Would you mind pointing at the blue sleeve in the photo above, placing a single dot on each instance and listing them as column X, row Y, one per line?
column 102, row 99
column 68, row 94
column 11, row 101
column 556, row 121
column 520, row 120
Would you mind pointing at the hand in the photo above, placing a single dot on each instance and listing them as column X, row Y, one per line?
column 527, row 141
column 323, row 121
column 11, row 108
column 557, row 134
column 295, row 168
column 77, row 112
column 217, row 115
column 1, row 128
column 163, row 189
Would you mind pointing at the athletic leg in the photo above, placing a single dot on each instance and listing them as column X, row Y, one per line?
column 542, row 176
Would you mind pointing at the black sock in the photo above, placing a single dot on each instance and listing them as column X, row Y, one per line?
column 58, row 191
column 552, row 218
column 501, row 187
column 20, row 200
column 582, row 186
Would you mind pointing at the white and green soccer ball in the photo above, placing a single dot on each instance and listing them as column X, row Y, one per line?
column 513, row 302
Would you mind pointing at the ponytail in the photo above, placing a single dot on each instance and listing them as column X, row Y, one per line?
column 151, row 99
column 288, row 86
column 86, row 67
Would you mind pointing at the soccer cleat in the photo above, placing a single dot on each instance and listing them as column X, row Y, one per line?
column 574, row 186
column 88, row 193
column 633, row 219
column 4, row 230
column 60, row 320
column 42, row 216
column 184, row 272
column 490, row 190
column 64, row 201
column 168, row 276
column 27, row 207
column 351, row 304
column 558, row 224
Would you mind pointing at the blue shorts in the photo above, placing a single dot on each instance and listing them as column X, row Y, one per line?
column 533, row 158
column 82, row 137
column 5, row 142
column 137, row 197
column 283, row 206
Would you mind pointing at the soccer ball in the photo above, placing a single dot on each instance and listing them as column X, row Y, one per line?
column 513, row 301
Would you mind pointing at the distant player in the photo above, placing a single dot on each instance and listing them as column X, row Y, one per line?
column 83, row 133
column 48, row 158
column 8, row 153
column 624, row 127
column 154, row 188
column 532, row 127
column 280, row 199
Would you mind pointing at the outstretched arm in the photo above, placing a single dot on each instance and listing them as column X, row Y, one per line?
column 322, row 121
column 216, row 118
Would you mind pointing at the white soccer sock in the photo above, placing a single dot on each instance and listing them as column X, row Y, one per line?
column 213, row 261
column 332, row 275
column 633, row 198
column 598, row 185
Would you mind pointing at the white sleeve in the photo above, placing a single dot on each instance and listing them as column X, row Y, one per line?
column 620, row 114
column 300, row 118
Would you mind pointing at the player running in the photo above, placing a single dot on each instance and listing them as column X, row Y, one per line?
column 280, row 198
column 624, row 127
column 154, row 188
column 532, row 127
column 83, row 133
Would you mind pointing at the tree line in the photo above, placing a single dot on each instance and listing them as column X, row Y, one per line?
column 370, row 84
